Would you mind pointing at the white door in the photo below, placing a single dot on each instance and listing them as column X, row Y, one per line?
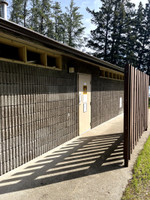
column 84, row 103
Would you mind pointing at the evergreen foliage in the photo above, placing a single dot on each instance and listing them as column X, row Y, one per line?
column 100, row 37
column 16, row 11
column 122, row 33
column 47, row 18
column 59, row 25
column 121, row 36
column 141, row 35
column 147, row 43
column 73, row 25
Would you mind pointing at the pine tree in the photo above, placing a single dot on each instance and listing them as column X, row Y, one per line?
column 73, row 25
column 59, row 29
column 45, row 15
column 19, row 12
column 16, row 11
column 129, row 40
column 147, row 48
column 40, row 14
column 112, row 35
column 100, row 37
column 140, row 43
column 25, row 12
column 34, row 15
column 117, row 31
column 122, row 34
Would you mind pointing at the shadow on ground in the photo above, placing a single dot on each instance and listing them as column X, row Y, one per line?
column 84, row 156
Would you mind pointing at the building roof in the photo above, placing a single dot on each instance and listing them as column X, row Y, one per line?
column 25, row 33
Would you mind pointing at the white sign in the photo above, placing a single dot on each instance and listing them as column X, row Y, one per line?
column 85, row 98
column 80, row 97
column 120, row 102
column 85, row 107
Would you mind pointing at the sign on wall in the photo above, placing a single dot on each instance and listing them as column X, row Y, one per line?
column 84, row 98
column 84, row 89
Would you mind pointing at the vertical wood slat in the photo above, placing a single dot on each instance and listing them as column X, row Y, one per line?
column 126, row 114
column 131, row 111
column 140, row 102
column 147, row 83
column 135, row 108
column 134, row 98
column 135, row 111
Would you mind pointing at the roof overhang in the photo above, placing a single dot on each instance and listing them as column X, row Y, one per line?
column 22, row 32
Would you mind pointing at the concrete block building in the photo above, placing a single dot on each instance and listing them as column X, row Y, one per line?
column 49, row 94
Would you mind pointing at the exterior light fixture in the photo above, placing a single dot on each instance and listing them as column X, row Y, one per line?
column 71, row 70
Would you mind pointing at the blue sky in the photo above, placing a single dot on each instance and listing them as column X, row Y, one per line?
column 92, row 4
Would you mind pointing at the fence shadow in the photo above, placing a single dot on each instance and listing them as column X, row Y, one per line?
column 82, row 157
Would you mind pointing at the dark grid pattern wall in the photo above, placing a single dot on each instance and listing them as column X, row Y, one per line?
column 38, row 111
column 106, row 94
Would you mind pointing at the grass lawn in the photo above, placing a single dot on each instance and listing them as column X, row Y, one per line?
column 139, row 187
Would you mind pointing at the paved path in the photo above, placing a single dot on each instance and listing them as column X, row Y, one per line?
column 89, row 167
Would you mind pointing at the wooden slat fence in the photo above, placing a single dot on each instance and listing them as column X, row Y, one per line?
column 135, row 108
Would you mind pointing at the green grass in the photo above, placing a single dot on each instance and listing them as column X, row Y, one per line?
column 139, row 187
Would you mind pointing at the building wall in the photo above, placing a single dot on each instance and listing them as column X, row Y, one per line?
column 106, row 94
column 38, row 111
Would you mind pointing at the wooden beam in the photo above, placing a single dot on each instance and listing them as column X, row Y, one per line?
column 43, row 58
column 23, row 54
column 126, row 115
column 59, row 62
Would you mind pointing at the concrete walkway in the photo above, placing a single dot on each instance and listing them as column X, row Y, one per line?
column 89, row 167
